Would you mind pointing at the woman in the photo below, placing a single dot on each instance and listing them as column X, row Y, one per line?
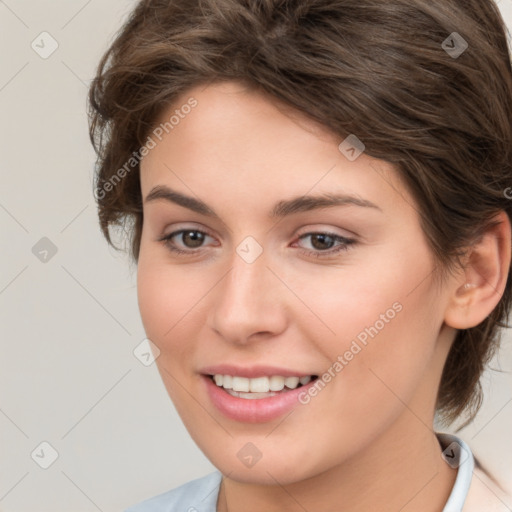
column 316, row 196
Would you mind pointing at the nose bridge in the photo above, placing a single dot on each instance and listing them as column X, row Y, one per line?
column 246, row 300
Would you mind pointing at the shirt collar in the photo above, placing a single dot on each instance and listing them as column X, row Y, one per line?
column 458, row 455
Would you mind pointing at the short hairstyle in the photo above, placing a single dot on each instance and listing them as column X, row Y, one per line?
column 425, row 84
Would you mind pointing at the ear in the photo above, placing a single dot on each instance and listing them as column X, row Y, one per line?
column 480, row 286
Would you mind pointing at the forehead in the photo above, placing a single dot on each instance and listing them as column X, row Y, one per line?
column 230, row 114
column 231, row 97
column 237, row 139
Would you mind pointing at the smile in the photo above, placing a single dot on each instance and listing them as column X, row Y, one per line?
column 259, row 387
column 256, row 398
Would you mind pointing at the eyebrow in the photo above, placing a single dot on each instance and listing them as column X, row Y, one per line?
column 280, row 210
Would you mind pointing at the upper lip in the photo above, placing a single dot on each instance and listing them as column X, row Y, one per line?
column 252, row 371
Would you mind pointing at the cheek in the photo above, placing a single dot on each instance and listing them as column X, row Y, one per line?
column 165, row 294
column 157, row 302
column 367, row 299
column 165, row 301
column 384, row 324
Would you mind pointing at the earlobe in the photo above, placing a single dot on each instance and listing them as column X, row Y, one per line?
column 478, row 289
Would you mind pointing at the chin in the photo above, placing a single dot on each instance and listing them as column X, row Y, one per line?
column 274, row 465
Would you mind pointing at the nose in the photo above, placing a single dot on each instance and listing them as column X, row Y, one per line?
column 248, row 303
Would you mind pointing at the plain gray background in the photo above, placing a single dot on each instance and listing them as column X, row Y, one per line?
column 69, row 320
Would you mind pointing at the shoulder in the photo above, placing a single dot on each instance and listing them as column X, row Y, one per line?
column 198, row 495
column 484, row 494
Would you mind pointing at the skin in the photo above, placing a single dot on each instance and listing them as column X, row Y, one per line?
column 365, row 442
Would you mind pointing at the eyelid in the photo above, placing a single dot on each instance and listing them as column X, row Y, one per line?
column 178, row 228
column 323, row 228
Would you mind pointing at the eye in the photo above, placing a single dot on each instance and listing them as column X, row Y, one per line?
column 322, row 239
column 322, row 242
column 191, row 239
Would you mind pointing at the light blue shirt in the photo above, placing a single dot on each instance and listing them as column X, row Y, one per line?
column 201, row 495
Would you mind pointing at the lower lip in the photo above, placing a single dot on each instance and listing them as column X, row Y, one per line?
column 258, row 410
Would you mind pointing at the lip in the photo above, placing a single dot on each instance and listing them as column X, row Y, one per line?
column 252, row 371
column 260, row 410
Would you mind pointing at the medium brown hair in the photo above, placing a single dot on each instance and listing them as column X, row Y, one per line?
column 379, row 69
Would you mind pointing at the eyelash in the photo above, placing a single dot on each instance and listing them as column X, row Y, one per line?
column 345, row 243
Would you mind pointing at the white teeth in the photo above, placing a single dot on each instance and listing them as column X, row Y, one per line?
column 250, row 396
column 259, row 385
column 291, row 382
column 241, row 386
column 227, row 382
column 276, row 383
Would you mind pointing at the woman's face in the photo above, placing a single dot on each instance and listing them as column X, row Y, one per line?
column 277, row 279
